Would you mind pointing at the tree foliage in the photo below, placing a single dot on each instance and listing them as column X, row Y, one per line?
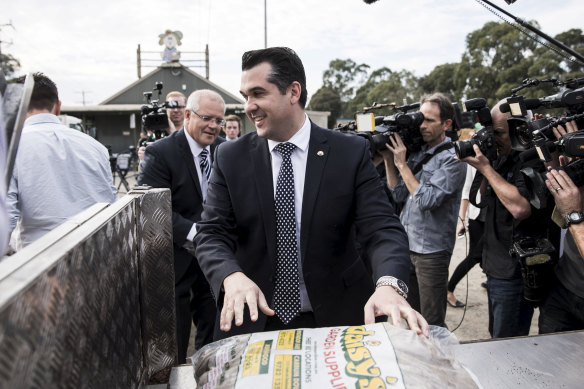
column 325, row 99
column 497, row 58
column 343, row 75
column 9, row 64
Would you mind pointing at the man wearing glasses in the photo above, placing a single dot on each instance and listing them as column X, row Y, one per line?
column 182, row 162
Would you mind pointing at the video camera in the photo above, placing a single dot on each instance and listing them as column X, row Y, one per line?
column 378, row 129
column 154, row 118
column 484, row 138
column 536, row 139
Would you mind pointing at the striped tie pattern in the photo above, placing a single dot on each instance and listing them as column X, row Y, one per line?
column 204, row 162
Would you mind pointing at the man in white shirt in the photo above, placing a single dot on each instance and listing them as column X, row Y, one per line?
column 58, row 171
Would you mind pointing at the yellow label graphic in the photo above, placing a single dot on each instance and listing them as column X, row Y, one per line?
column 287, row 372
column 257, row 358
column 289, row 340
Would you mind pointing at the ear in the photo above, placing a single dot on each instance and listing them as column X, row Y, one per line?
column 57, row 108
column 447, row 124
column 295, row 90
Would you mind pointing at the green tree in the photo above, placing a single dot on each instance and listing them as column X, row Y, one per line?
column 9, row 64
column 325, row 99
column 441, row 79
column 548, row 64
column 343, row 76
column 496, row 59
column 385, row 86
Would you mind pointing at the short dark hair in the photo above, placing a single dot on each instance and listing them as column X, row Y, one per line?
column 443, row 102
column 286, row 68
column 44, row 93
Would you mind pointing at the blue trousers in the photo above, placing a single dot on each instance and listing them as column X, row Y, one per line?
column 509, row 313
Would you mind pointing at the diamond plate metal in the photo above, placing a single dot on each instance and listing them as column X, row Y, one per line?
column 93, row 309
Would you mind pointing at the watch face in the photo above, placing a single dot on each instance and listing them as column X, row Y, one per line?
column 402, row 285
column 575, row 216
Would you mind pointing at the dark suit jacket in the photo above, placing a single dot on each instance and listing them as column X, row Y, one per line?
column 169, row 163
column 343, row 200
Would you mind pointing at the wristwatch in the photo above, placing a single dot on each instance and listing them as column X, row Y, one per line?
column 400, row 287
column 574, row 217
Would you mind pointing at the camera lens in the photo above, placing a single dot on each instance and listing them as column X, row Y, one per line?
column 464, row 148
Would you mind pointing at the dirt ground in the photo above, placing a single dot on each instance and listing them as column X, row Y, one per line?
column 475, row 320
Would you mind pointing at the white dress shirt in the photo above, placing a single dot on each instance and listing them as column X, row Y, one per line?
column 58, row 173
column 299, row 157
column 196, row 151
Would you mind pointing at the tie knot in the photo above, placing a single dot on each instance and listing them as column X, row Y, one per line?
column 285, row 149
column 204, row 153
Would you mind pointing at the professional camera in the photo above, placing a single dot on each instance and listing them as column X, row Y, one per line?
column 570, row 145
column 536, row 260
column 484, row 138
column 154, row 118
column 524, row 132
column 378, row 129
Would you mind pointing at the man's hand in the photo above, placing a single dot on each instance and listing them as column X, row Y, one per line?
column 240, row 290
column 398, row 149
column 141, row 151
column 560, row 131
column 386, row 301
column 566, row 194
column 479, row 161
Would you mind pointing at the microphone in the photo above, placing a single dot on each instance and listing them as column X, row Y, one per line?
column 529, row 104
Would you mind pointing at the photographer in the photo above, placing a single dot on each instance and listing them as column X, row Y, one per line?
column 509, row 217
column 430, row 182
column 563, row 309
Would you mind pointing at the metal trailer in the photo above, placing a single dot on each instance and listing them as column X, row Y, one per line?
column 91, row 304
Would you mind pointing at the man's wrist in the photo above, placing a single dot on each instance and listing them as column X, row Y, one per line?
column 398, row 285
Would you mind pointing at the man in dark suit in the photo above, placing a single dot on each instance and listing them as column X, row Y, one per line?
column 260, row 245
column 182, row 163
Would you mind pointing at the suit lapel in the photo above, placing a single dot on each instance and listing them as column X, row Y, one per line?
column 262, row 172
column 188, row 159
column 318, row 151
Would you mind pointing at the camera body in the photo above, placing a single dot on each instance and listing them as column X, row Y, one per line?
column 154, row 117
column 378, row 129
column 484, row 138
column 536, row 260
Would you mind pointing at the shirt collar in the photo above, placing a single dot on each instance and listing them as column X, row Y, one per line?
column 300, row 139
column 195, row 147
column 41, row 118
column 430, row 151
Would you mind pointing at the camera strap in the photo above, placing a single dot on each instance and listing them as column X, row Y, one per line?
column 428, row 157
column 474, row 188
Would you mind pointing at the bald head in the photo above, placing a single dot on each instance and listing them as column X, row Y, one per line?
column 501, row 129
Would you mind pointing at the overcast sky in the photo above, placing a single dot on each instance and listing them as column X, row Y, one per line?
column 91, row 46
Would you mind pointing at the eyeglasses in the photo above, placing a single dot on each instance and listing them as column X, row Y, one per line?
column 219, row 122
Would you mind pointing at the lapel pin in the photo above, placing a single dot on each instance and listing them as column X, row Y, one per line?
column 320, row 153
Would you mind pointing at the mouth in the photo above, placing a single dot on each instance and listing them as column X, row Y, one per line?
column 257, row 118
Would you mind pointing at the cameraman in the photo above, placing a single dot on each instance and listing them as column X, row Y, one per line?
column 175, row 111
column 563, row 309
column 430, row 183
column 509, row 217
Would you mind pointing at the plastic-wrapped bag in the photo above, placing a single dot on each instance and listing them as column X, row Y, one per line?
column 371, row 356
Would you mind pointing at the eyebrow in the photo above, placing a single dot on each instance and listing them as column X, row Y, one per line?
column 254, row 89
